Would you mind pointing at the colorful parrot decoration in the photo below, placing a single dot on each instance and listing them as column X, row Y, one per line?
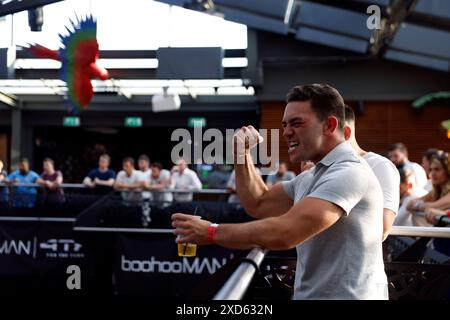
column 79, row 54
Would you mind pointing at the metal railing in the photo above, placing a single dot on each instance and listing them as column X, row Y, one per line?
column 434, row 232
column 123, row 230
column 82, row 186
column 46, row 219
column 36, row 185
column 238, row 283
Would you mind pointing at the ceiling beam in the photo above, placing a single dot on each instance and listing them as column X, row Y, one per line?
column 397, row 12
column 10, row 7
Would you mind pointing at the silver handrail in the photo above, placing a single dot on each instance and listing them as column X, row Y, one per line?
column 435, row 232
column 125, row 230
column 238, row 282
column 35, row 185
column 80, row 185
column 47, row 219
column 212, row 191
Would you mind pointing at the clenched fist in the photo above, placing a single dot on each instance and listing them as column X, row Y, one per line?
column 245, row 139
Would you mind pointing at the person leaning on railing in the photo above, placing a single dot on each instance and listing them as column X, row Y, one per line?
column 439, row 197
column 129, row 181
column 185, row 181
column 159, row 180
column 101, row 178
column 51, row 181
column 23, row 197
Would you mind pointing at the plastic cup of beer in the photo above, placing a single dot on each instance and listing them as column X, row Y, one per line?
column 187, row 249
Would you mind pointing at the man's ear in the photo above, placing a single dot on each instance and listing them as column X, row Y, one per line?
column 347, row 132
column 330, row 125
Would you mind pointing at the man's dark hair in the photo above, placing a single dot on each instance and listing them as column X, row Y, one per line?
column 349, row 115
column 431, row 153
column 144, row 157
column 157, row 165
column 49, row 160
column 325, row 101
column 398, row 146
column 23, row 160
column 403, row 175
column 128, row 159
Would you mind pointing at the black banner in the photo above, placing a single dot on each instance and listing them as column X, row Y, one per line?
column 149, row 265
column 40, row 248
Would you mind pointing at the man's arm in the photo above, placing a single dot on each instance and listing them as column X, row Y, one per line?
column 88, row 182
column 388, row 220
column 304, row 220
column 258, row 200
column 107, row 183
column 418, row 204
column 389, row 180
column 41, row 182
column 118, row 185
column 442, row 203
column 195, row 184
column 58, row 181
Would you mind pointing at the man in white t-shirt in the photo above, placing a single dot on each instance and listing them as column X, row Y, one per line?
column 185, row 180
column 130, row 182
column 409, row 192
column 398, row 154
column 160, row 180
column 385, row 171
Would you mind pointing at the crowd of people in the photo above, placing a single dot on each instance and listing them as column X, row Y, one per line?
column 423, row 188
column 148, row 182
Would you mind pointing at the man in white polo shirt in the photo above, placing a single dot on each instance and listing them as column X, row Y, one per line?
column 184, row 180
column 129, row 181
column 330, row 213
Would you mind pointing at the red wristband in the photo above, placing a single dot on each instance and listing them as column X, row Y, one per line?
column 212, row 232
column 448, row 213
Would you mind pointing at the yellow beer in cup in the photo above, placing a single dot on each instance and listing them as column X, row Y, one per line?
column 187, row 249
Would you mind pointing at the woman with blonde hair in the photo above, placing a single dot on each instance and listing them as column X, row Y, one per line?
column 436, row 201
column 439, row 196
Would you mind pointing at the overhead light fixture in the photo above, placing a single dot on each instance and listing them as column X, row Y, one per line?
column 200, row 5
column 165, row 102
column 36, row 18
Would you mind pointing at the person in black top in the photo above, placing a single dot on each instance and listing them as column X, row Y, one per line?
column 101, row 178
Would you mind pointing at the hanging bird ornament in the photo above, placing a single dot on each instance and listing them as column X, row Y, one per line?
column 78, row 55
